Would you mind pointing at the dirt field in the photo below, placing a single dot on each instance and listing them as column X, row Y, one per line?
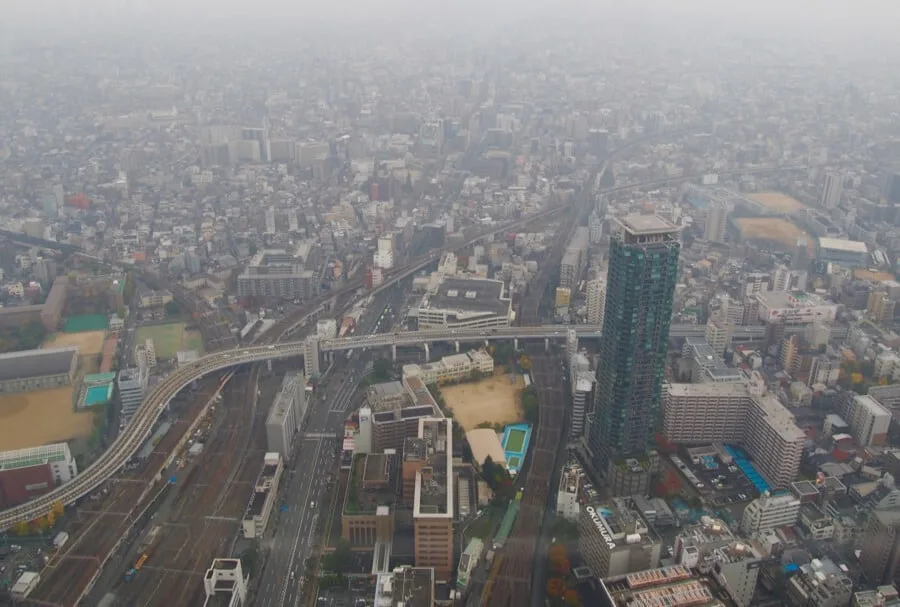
column 776, row 201
column 768, row 228
column 493, row 400
column 88, row 342
column 863, row 274
column 36, row 418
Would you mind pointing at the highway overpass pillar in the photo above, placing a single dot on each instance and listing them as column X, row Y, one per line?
column 457, row 347
column 516, row 343
column 394, row 352
column 427, row 351
column 546, row 344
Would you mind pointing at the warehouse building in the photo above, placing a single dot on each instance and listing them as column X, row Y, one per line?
column 37, row 369
column 464, row 303
column 27, row 473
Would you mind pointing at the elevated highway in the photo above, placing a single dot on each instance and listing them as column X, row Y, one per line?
column 141, row 425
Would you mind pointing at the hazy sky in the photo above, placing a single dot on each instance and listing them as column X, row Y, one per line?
column 840, row 20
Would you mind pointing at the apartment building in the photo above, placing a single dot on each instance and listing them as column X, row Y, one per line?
column 869, row 420
column 286, row 414
column 265, row 492
column 728, row 413
column 770, row 512
column 277, row 274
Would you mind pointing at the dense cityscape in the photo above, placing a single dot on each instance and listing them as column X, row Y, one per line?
column 548, row 313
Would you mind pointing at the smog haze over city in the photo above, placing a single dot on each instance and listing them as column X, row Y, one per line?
column 484, row 303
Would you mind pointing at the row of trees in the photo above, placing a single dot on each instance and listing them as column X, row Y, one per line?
column 498, row 479
column 558, row 591
column 25, row 337
column 530, row 405
column 41, row 524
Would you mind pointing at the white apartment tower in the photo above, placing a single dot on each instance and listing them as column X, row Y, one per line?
column 384, row 256
column 716, row 221
column 596, row 301
column 832, row 190
column 767, row 512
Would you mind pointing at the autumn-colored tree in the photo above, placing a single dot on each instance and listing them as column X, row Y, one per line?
column 572, row 598
column 525, row 363
column 557, row 551
column 58, row 508
column 22, row 528
column 556, row 587
column 560, row 565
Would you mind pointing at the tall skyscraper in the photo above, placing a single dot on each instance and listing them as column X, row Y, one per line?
column 716, row 221
column 831, row 192
column 640, row 288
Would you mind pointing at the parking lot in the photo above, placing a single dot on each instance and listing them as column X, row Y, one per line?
column 718, row 483
column 18, row 556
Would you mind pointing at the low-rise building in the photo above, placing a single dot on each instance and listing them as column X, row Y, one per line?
column 455, row 367
column 224, row 584
column 674, row 585
column 770, row 512
column 567, row 497
column 407, row 586
column 265, row 492
column 820, row 583
column 40, row 369
column 30, row 472
column 464, row 303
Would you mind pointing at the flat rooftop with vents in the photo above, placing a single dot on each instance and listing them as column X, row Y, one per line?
column 373, row 483
column 434, row 486
column 464, row 302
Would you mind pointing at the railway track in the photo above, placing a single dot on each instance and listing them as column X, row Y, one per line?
column 99, row 524
column 204, row 516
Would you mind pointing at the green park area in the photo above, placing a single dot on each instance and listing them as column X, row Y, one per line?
column 169, row 339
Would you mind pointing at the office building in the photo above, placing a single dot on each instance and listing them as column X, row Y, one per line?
column 869, row 420
column 433, row 502
column 392, row 413
column 582, row 393
column 277, row 274
column 615, row 539
column 794, row 308
column 567, row 505
column 819, row 583
column 666, row 586
column 39, row 369
column 464, row 303
column 384, row 254
column 845, row 253
column 574, row 258
column 596, row 300
column 707, row 365
column 880, row 306
column 286, row 414
column 30, row 472
column 452, row 368
column 716, row 221
column 880, row 557
column 131, row 384
column 643, row 271
column 225, row 585
column 770, row 512
column 373, row 490
column 265, row 492
column 832, row 190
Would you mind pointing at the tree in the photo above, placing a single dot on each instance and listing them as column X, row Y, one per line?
column 341, row 560
column 172, row 308
column 59, row 508
column 525, row 362
column 383, row 369
column 530, row 405
column 22, row 528
column 572, row 598
column 556, row 587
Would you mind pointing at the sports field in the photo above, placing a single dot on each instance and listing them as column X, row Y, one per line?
column 40, row 417
column 492, row 399
column 90, row 343
column 778, row 202
column 515, row 440
column 170, row 338
column 771, row 229
column 86, row 322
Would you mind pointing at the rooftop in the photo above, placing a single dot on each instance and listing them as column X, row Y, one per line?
column 36, row 363
column 671, row 586
column 407, row 586
column 372, row 484
column 434, row 481
column 646, row 224
column 469, row 295
column 841, row 244
column 780, row 419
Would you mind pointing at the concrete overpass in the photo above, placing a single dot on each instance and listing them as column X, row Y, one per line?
column 141, row 425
